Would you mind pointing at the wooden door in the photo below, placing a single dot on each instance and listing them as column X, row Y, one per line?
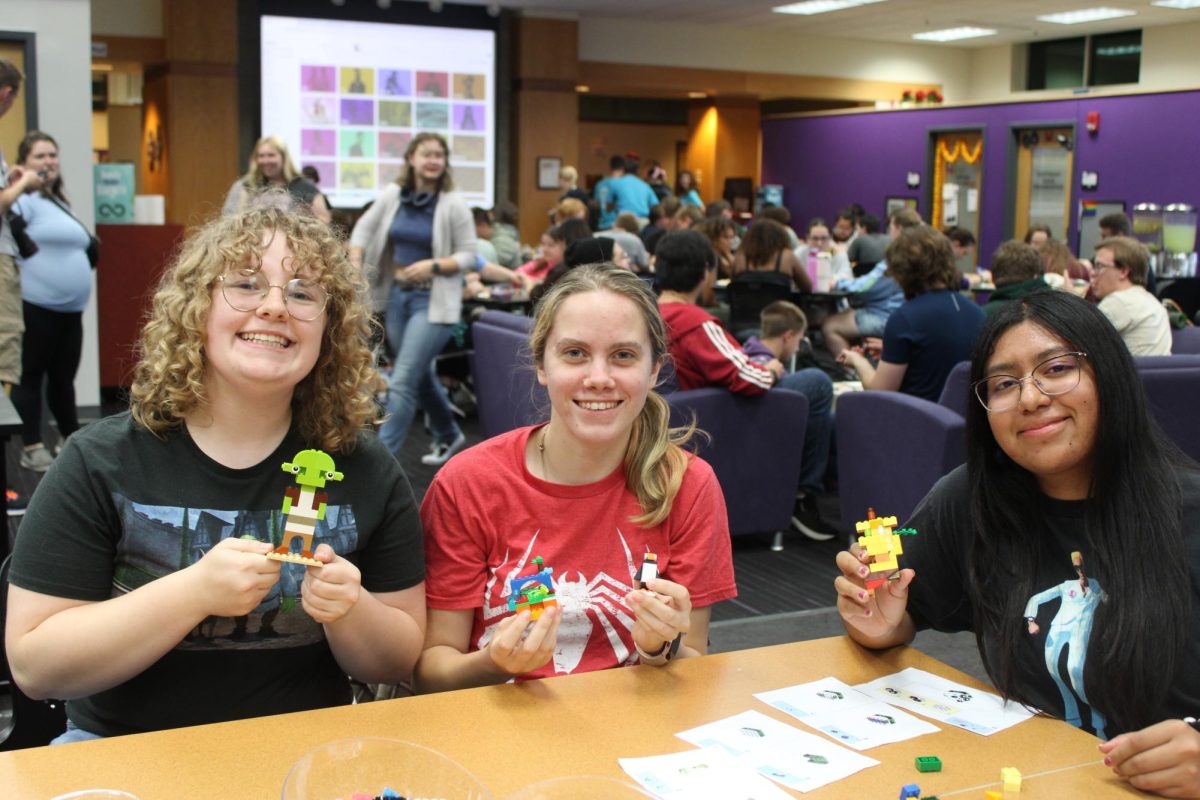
column 1045, row 157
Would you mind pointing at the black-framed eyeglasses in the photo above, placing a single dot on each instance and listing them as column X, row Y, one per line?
column 1054, row 376
column 246, row 291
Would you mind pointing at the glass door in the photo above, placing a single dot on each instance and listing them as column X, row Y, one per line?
column 957, row 185
column 1043, row 186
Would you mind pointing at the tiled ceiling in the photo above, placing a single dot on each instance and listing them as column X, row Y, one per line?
column 889, row 21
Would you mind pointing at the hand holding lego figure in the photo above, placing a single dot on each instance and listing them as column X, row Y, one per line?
column 518, row 647
column 330, row 592
column 662, row 611
column 1163, row 758
column 233, row 577
column 876, row 616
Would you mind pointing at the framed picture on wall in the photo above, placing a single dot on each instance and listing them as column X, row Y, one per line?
column 890, row 204
column 547, row 172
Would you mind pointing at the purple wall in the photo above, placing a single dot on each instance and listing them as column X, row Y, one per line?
column 1146, row 150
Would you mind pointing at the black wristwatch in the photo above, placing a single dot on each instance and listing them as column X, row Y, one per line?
column 436, row 268
column 1195, row 723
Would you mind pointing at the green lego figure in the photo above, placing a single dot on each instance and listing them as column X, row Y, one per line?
column 304, row 504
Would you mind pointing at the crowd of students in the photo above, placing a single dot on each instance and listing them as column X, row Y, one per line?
column 1065, row 535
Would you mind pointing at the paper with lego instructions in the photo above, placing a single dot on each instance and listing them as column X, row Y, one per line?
column 795, row 758
column 954, row 704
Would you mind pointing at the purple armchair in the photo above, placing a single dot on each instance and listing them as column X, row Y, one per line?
column 1172, row 396
column 506, row 386
column 754, row 447
column 956, row 394
column 892, row 448
column 1186, row 341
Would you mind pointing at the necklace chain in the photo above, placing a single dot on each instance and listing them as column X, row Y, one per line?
column 542, row 453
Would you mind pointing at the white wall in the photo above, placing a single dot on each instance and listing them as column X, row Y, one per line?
column 680, row 44
column 128, row 18
column 1170, row 58
column 991, row 72
column 64, row 81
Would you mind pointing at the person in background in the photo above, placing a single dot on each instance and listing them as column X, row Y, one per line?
column 1117, row 224
column 552, row 247
column 568, row 181
column 722, row 235
column 1120, row 283
column 310, row 174
column 662, row 221
column 1017, row 271
column 765, row 249
column 783, row 217
column 416, row 242
column 56, row 283
column 1029, row 546
column 869, row 247
column 845, row 225
column 483, row 235
column 14, row 182
column 629, row 193
column 878, row 297
column 1037, row 235
column 586, row 494
column 1061, row 269
column 505, row 237
column 688, row 217
column 687, row 189
column 705, row 354
column 656, row 176
column 934, row 329
column 624, row 232
column 819, row 239
column 962, row 242
column 271, row 167
column 254, row 355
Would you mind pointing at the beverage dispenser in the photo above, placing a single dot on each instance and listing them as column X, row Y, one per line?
column 1179, row 241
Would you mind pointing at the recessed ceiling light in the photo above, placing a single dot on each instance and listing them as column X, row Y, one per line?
column 1176, row 3
column 810, row 7
column 697, row 95
column 953, row 34
column 1086, row 15
column 583, row 88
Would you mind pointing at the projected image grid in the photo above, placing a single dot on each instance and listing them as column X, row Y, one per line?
column 357, row 121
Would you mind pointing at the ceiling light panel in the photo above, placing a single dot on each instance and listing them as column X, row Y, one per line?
column 1086, row 15
column 810, row 7
column 1177, row 3
column 953, row 34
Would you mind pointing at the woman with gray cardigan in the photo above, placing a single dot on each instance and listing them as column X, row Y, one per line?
column 415, row 243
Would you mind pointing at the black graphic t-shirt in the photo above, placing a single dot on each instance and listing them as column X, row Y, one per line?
column 1058, row 615
column 121, row 508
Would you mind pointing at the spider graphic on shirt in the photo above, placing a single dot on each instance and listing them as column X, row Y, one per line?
column 585, row 603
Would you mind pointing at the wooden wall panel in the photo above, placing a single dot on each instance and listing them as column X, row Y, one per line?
column 202, row 133
column 202, row 32
column 737, row 151
column 548, row 49
column 547, row 125
column 598, row 141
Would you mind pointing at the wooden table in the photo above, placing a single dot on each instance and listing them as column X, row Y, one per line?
column 512, row 736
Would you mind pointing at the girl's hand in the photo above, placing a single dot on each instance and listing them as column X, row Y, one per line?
column 233, row 577
column 517, row 647
column 663, row 611
column 330, row 592
column 877, row 616
column 1163, row 758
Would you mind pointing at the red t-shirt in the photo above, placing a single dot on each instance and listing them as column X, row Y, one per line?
column 487, row 517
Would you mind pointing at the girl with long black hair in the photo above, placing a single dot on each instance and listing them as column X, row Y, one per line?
column 1062, row 544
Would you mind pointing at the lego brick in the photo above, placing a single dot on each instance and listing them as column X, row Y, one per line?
column 929, row 764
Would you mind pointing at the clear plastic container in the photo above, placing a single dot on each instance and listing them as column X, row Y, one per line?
column 1179, row 228
column 97, row 794
column 369, row 765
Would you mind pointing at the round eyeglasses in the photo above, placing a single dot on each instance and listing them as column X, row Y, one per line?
column 246, row 291
column 1054, row 376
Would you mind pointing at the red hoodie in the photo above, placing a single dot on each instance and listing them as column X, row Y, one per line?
column 704, row 354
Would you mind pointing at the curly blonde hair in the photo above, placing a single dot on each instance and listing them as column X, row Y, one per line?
column 333, row 402
column 654, row 458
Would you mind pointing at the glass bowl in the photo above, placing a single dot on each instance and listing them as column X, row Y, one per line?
column 368, row 765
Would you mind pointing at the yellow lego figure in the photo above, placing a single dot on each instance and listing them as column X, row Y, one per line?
column 881, row 544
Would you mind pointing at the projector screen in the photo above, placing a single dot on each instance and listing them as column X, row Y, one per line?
column 347, row 97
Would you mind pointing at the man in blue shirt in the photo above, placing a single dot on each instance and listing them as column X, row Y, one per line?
column 626, row 192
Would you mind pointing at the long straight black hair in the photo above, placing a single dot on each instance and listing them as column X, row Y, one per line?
column 1133, row 526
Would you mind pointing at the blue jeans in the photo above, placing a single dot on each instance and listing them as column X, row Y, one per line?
column 416, row 342
column 818, row 388
column 74, row 734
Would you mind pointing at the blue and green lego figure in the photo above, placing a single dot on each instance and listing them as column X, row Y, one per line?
column 304, row 504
